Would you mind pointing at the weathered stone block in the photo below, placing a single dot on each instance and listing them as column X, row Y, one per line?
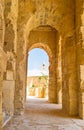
column 9, row 75
column 8, row 96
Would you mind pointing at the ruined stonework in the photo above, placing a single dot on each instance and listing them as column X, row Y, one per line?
column 58, row 28
column 2, row 58
column 80, row 53
column 10, row 41
column 59, row 16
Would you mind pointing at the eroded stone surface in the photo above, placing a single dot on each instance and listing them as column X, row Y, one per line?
column 25, row 25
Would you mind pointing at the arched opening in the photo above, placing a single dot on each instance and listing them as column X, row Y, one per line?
column 47, row 38
column 37, row 73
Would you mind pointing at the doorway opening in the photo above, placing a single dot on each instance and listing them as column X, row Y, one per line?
column 37, row 74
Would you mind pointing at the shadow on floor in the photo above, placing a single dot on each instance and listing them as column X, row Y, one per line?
column 42, row 106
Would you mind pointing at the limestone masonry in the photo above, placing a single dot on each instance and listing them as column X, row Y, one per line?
column 57, row 26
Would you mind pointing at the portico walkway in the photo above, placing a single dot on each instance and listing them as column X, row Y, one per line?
column 41, row 115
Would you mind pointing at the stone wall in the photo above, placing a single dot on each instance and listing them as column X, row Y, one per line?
column 19, row 32
column 70, row 85
column 47, row 36
column 10, row 17
column 59, row 71
column 59, row 15
column 37, row 81
column 2, row 57
column 10, row 46
column 22, row 22
column 80, row 52
column 8, row 97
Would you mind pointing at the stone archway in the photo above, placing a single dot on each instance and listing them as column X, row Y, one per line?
column 44, row 37
column 47, row 35
column 57, row 18
column 20, row 18
column 47, row 38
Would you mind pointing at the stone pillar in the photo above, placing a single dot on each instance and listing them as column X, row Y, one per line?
column 1, row 24
column 81, row 63
column 64, row 78
column 52, row 90
column 72, row 84
column 59, row 73
column 70, row 79
column 10, row 45
column 26, row 66
column 81, row 104
column 9, row 85
column 1, row 116
column 3, row 59
column 81, row 94
column 20, row 85
column 10, row 18
column 80, row 52
column 25, row 76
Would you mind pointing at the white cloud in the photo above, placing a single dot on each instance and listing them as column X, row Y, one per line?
column 36, row 72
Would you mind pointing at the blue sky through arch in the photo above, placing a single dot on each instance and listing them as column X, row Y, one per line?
column 36, row 58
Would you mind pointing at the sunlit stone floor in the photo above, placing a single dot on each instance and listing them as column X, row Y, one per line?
column 41, row 115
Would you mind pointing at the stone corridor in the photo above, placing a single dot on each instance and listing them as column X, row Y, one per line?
column 57, row 27
column 41, row 115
